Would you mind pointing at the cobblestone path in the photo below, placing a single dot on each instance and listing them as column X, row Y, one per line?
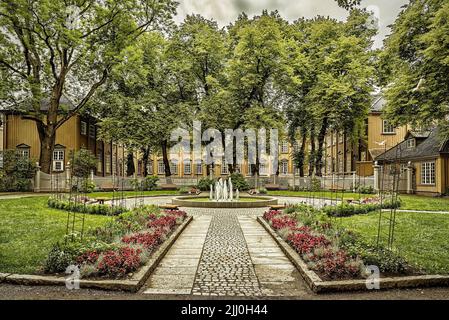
column 226, row 252
column 225, row 267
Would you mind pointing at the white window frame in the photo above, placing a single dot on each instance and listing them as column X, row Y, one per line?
column 150, row 167
column 24, row 152
column 386, row 125
column 83, row 128
column 92, row 131
column 411, row 143
column 224, row 167
column 173, row 168
column 58, row 160
column 199, row 168
column 283, row 167
column 428, row 173
column 284, row 146
column 187, row 168
column 263, row 169
column 160, row 167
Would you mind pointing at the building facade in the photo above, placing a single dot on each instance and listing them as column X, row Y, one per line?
column 79, row 132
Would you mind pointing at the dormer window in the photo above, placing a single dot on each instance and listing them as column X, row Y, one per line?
column 411, row 143
column 23, row 151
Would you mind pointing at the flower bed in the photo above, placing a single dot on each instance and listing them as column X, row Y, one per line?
column 333, row 253
column 120, row 247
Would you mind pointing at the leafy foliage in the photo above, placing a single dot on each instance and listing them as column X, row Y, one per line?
column 17, row 172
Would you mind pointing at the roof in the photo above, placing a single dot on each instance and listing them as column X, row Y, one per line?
column 378, row 103
column 432, row 146
column 64, row 102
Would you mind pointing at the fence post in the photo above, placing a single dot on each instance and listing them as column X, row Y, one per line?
column 68, row 174
column 37, row 178
column 409, row 177
column 377, row 176
column 92, row 175
column 353, row 182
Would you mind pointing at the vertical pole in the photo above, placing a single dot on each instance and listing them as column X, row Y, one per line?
column 37, row 178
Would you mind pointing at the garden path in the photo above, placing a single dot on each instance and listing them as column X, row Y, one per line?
column 226, row 252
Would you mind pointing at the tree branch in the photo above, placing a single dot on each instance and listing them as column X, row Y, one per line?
column 83, row 102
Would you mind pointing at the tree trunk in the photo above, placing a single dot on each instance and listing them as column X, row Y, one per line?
column 130, row 169
column 312, row 152
column 319, row 155
column 145, row 160
column 302, row 153
column 47, row 137
column 166, row 161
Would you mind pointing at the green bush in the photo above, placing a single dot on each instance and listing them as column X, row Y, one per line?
column 366, row 190
column 204, row 184
column 17, row 172
column 60, row 257
column 263, row 191
column 100, row 209
column 87, row 186
column 239, row 182
column 346, row 210
column 150, row 183
column 83, row 162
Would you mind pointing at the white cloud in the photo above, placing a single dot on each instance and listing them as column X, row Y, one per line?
column 226, row 11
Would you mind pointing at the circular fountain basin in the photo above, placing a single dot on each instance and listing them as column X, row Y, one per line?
column 243, row 202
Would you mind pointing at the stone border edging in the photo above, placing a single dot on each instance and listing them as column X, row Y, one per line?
column 260, row 202
column 132, row 285
column 319, row 286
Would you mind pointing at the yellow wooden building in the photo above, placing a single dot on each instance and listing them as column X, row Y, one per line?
column 77, row 133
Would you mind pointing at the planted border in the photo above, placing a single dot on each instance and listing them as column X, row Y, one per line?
column 317, row 285
column 133, row 284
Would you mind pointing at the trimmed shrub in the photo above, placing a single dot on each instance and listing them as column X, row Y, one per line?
column 239, row 182
column 17, row 172
column 149, row 183
column 204, row 184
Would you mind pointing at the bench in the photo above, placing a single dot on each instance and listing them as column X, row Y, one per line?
column 101, row 200
column 170, row 207
column 277, row 207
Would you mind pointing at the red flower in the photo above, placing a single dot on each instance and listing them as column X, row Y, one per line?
column 119, row 262
column 90, row 256
column 283, row 222
column 163, row 222
column 147, row 239
column 270, row 214
column 305, row 242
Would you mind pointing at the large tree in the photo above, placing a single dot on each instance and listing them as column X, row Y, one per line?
column 416, row 65
column 149, row 95
column 53, row 48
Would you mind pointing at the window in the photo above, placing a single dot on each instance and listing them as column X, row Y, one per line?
column 296, row 146
column 283, row 167
column 387, row 127
column 160, row 167
column 428, row 173
column 92, row 131
column 24, row 153
column 284, row 147
column 150, row 167
column 187, row 168
column 107, row 165
column 58, row 155
column 83, row 128
column 199, row 168
column 173, row 168
column 58, row 160
column 411, row 143
column 224, row 167
column 263, row 169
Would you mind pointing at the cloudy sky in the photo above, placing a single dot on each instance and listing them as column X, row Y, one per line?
column 226, row 11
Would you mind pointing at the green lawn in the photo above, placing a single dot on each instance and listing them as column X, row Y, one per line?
column 28, row 229
column 422, row 238
column 409, row 202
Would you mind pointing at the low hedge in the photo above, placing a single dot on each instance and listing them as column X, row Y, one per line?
column 100, row 209
column 346, row 210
